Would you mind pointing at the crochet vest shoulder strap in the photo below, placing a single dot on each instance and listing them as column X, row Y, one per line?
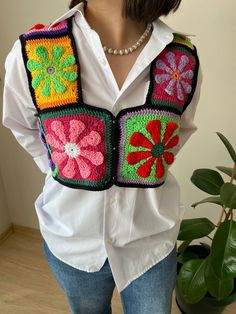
column 87, row 146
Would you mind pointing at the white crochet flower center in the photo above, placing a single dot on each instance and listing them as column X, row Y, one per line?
column 72, row 150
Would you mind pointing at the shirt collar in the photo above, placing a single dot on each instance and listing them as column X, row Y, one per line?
column 78, row 8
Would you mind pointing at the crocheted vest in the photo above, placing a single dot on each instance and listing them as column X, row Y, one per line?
column 87, row 146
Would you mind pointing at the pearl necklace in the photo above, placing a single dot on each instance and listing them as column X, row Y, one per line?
column 130, row 49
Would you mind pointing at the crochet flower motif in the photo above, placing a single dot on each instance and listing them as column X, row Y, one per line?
column 157, row 151
column 51, row 70
column 76, row 153
column 175, row 75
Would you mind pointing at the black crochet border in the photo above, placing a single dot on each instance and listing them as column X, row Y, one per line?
column 112, row 173
column 194, row 82
column 68, row 32
column 115, row 119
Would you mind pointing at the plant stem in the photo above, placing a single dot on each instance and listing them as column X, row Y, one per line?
column 221, row 216
column 233, row 173
column 209, row 238
column 230, row 212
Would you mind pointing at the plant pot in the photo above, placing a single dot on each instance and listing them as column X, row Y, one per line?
column 207, row 305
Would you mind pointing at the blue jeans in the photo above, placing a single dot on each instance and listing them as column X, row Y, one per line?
column 91, row 293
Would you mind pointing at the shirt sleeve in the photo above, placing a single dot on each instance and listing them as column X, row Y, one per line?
column 19, row 109
column 187, row 125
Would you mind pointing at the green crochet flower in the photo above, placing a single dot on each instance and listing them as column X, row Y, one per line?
column 51, row 70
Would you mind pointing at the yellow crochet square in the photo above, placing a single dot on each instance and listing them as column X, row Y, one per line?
column 53, row 70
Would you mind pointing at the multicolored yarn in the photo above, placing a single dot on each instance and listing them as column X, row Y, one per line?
column 90, row 148
column 51, row 71
column 79, row 141
column 148, row 137
column 183, row 40
column 43, row 140
column 40, row 29
column 176, row 75
column 51, row 64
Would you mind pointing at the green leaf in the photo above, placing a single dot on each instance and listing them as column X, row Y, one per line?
column 211, row 199
column 223, row 250
column 228, row 195
column 196, row 228
column 218, row 287
column 207, row 180
column 228, row 146
column 191, row 280
column 227, row 170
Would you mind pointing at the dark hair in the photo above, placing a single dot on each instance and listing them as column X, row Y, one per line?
column 143, row 10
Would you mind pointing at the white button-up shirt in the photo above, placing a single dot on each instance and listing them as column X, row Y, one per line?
column 134, row 227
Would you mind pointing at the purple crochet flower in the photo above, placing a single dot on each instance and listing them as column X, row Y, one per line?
column 176, row 72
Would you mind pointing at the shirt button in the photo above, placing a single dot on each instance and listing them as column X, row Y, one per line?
column 121, row 107
column 102, row 61
column 109, row 241
column 113, row 200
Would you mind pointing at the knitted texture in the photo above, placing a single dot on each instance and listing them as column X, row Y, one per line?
column 183, row 40
column 43, row 140
column 145, row 149
column 53, row 68
column 40, row 29
column 79, row 142
column 90, row 148
column 173, row 74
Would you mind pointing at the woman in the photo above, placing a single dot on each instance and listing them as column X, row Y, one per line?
column 113, row 92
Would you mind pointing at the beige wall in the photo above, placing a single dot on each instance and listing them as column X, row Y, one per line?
column 21, row 178
column 213, row 22
column 5, row 219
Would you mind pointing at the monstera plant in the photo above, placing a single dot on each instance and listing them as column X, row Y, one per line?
column 208, row 269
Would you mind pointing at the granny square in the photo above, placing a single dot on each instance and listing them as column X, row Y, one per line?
column 79, row 142
column 52, row 71
column 147, row 137
column 173, row 73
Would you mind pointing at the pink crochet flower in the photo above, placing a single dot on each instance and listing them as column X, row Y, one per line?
column 76, row 152
column 176, row 74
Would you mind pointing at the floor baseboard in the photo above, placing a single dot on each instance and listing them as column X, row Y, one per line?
column 6, row 234
column 32, row 232
column 27, row 231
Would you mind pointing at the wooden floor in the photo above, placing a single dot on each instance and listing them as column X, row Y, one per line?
column 27, row 285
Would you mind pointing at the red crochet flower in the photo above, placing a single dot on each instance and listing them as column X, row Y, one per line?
column 157, row 152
